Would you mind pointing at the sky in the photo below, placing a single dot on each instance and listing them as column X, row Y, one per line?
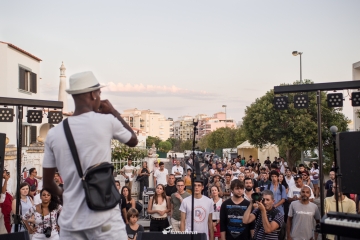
column 186, row 57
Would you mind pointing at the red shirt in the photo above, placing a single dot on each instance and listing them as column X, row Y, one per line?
column 32, row 182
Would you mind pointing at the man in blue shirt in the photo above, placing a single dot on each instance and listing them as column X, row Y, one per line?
column 278, row 190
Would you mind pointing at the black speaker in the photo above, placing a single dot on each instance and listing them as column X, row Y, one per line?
column 170, row 236
column 2, row 155
column 348, row 159
column 15, row 236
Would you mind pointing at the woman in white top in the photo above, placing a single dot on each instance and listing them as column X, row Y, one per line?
column 25, row 204
column 216, row 214
column 314, row 177
column 158, row 208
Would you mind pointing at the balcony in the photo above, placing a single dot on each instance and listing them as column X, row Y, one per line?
column 142, row 120
column 142, row 126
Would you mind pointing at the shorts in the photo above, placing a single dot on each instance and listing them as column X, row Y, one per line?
column 315, row 181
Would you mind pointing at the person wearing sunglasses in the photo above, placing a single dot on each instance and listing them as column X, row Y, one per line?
column 294, row 191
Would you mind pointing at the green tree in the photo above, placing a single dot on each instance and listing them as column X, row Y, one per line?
column 150, row 140
column 292, row 129
column 123, row 152
column 186, row 145
column 165, row 146
column 175, row 143
column 203, row 142
column 222, row 138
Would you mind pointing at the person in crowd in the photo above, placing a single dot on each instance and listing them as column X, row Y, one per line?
column 255, row 183
column 345, row 205
column 25, row 204
column 294, row 191
column 132, row 228
column 144, row 174
column 6, row 199
column 249, row 188
column 218, row 183
column 267, row 162
column 227, row 187
column 289, row 178
column 203, row 209
column 301, row 217
column 31, row 179
column 314, row 177
column 122, row 203
column 283, row 165
column 158, row 207
column 329, row 184
column 58, row 180
column 232, row 211
column 170, row 188
column 306, row 180
column 241, row 177
column 279, row 191
column 128, row 172
column 177, row 170
column 274, row 167
column 268, row 220
column 175, row 202
column 94, row 124
column 213, row 169
column 130, row 202
column 161, row 175
column 264, row 181
column 187, row 180
column 301, row 169
column 217, row 201
column 242, row 162
column 283, row 182
column 45, row 217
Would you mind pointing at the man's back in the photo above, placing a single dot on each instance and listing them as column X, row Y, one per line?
column 92, row 134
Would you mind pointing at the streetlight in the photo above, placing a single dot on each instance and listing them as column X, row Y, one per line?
column 295, row 53
column 224, row 106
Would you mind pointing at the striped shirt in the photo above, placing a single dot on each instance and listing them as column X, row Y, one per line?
column 259, row 228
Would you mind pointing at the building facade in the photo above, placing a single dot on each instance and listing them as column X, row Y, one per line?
column 149, row 122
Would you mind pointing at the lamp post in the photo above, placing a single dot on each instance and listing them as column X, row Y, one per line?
column 224, row 106
column 295, row 53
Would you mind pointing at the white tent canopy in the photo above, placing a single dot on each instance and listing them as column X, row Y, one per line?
column 269, row 150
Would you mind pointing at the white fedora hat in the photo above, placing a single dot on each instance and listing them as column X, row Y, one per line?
column 83, row 82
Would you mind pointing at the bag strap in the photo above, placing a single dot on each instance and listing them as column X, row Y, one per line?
column 74, row 153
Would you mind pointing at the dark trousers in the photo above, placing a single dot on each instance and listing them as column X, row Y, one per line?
column 158, row 225
column 143, row 183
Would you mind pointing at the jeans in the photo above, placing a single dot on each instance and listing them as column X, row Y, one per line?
column 111, row 229
column 158, row 225
column 143, row 183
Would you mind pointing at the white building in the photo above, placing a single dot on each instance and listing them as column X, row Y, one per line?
column 356, row 76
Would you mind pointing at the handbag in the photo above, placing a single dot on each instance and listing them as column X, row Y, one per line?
column 98, row 182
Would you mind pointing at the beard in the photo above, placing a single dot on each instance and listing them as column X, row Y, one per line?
column 304, row 198
column 248, row 189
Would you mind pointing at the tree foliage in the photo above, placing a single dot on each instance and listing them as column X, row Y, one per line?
column 150, row 140
column 291, row 129
column 165, row 146
column 176, row 144
column 123, row 152
column 187, row 145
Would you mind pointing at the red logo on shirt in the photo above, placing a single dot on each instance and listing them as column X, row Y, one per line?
column 199, row 214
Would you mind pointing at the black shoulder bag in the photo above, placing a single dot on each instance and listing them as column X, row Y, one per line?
column 98, row 181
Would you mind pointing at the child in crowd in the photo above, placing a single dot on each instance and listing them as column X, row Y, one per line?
column 132, row 228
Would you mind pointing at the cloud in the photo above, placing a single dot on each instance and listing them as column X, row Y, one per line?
column 153, row 89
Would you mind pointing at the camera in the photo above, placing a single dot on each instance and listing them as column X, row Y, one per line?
column 257, row 197
column 47, row 232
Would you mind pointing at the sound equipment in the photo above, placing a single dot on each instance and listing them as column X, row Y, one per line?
column 341, row 224
column 2, row 155
column 348, row 157
column 170, row 236
column 15, row 236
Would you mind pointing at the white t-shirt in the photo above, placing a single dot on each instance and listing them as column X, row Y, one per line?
column 161, row 176
column 216, row 213
column 313, row 170
column 296, row 191
column 177, row 169
column 92, row 134
column 37, row 199
column 290, row 182
column 202, row 208
column 129, row 170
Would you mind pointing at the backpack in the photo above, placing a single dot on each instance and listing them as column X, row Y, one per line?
column 280, row 185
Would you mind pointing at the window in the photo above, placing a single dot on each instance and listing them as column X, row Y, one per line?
column 28, row 135
column 27, row 80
